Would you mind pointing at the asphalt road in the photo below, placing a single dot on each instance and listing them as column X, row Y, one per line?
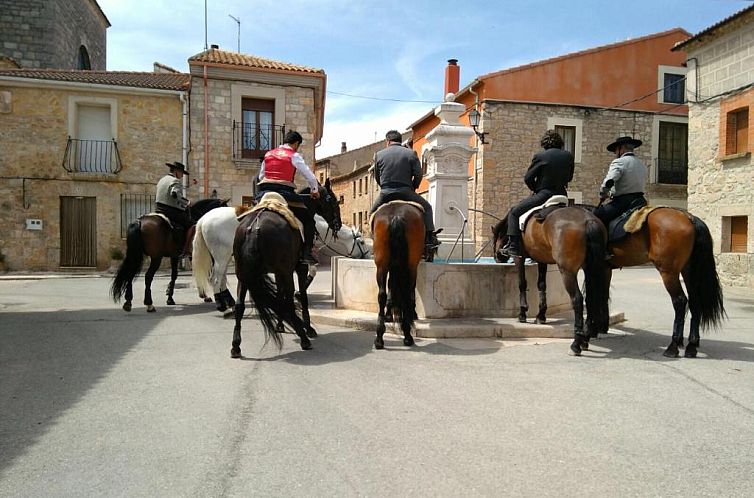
column 97, row 402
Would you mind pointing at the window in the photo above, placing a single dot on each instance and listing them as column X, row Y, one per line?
column 321, row 178
column 247, row 200
column 82, row 60
column 91, row 146
column 257, row 130
column 341, row 200
column 354, row 219
column 133, row 206
column 360, row 191
column 569, row 137
column 674, row 88
column 361, row 219
column 672, row 153
column 735, row 234
column 737, row 132
column 354, row 189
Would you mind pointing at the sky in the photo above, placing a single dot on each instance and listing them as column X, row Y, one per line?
column 385, row 60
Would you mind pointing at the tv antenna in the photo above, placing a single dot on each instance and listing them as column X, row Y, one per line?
column 238, row 21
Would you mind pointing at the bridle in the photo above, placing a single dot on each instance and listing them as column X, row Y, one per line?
column 354, row 246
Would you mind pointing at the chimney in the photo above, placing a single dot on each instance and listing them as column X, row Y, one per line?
column 343, row 148
column 452, row 77
column 214, row 46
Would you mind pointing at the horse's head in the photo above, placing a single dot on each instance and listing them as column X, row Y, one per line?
column 203, row 206
column 328, row 207
column 499, row 238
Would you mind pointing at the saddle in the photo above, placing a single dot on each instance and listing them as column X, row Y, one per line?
column 272, row 201
column 553, row 203
column 183, row 238
column 629, row 222
column 410, row 203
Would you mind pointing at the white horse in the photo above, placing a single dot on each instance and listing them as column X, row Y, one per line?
column 347, row 242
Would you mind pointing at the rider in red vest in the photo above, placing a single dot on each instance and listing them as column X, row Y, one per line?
column 276, row 175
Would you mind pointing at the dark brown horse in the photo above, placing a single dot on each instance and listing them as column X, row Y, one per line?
column 152, row 236
column 677, row 243
column 573, row 239
column 398, row 230
column 265, row 243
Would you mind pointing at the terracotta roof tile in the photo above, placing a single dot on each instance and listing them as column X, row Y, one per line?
column 159, row 81
column 217, row 56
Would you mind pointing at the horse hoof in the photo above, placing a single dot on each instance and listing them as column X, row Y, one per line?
column 229, row 313
column 306, row 345
column 310, row 332
column 379, row 345
column 690, row 352
column 126, row 306
column 222, row 308
column 541, row 320
column 235, row 353
column 576, row 348
column 207, row 299
column 408, row 341
column 585, row 346
column 151, row 308
column 170, row 302
column 521, row 318
column 671, row 351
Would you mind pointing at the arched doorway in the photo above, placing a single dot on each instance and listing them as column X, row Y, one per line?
column 82, row 61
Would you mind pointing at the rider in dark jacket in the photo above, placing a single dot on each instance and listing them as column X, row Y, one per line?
column 548, row 175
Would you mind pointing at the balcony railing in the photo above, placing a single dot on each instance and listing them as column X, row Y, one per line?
column 252, row 141
column 92, row 156
column 672, row 171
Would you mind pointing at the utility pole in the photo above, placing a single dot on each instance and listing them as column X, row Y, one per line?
column 238, row 21
column 205, row 25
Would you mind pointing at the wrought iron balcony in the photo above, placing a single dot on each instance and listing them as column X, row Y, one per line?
column 252, row 141
column 92, row 156
column 672, row 171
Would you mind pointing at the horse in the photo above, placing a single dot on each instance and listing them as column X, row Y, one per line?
column 398, row 229
column 264, row 244
column 573, row 239
column 347, row 242
column 151, row 235
column 678, row 244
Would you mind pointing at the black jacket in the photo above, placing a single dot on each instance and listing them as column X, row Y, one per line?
column 397, row 167
column 550, row 169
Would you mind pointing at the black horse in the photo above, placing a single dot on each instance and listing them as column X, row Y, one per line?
column 265, row 244
column 152, row 236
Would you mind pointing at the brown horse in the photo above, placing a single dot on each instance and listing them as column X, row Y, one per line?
column 152, row 236
column 677, row 243
column 398, row 230
column 573, row 239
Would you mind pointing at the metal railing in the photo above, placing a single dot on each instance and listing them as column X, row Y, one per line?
column 132, row 207
column 92, row 156
column 672, row 171
column 252, row 141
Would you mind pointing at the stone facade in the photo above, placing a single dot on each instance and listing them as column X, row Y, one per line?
column 514, row 130
column 32, row 182
column 720, row 182
column 48, row 33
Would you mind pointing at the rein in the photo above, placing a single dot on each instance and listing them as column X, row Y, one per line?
column 350, row 253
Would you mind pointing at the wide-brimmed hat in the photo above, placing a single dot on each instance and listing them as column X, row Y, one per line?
column 624, row 141
column 178, row 166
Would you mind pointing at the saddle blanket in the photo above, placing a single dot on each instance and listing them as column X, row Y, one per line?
column 410, row 203
column 552, row 201
column 272, row 201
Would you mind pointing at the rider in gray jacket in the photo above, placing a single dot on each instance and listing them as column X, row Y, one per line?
column 171, row 201
column 625, row 181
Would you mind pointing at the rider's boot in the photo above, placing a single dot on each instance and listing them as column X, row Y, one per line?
column 513, row 247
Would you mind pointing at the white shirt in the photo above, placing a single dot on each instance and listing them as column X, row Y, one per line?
column 300, row 165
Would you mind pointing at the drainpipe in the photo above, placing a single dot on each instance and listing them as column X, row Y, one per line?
column 184, row 143
column 206, row 135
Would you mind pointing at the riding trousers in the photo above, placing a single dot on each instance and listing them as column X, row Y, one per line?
column 176, row 216
column 619, row 205
column 406, row 194
column 304, row 214
column 534, row 200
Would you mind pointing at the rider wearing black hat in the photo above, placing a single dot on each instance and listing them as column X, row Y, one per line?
column 625, row 182
column 171, row 202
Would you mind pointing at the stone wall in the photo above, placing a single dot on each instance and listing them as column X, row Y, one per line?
column 358, row 191
column 233, row 178
column 719, row 189
column 723, row 64
column 32, row 180
column 48, row 33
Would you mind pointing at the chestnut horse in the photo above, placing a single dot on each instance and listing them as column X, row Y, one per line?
column 573, row 239
column 398, row 230
column 678, row 244
column 152, row 236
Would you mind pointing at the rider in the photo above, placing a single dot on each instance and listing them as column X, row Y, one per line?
column 171, row 202
column 548, row 175
column 276, row 175
column 625, row 181
column 398, row 172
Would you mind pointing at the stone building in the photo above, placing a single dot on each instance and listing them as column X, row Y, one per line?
column 591, row 97
column 54, row 34
column 720, row 92
column 77, row 169
column 241, row 106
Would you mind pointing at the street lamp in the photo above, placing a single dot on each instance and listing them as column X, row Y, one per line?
column 474, row 117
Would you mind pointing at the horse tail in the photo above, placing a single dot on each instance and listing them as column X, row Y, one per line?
column 595, row 278
column 261, row 288
column 399, row 273
column 201, row 262
column 131, row 265
column 702, row 282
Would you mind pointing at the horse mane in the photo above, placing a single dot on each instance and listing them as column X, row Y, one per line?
column 243, row 209
column 500, row 226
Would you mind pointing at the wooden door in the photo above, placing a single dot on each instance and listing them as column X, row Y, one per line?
column 78, row 232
